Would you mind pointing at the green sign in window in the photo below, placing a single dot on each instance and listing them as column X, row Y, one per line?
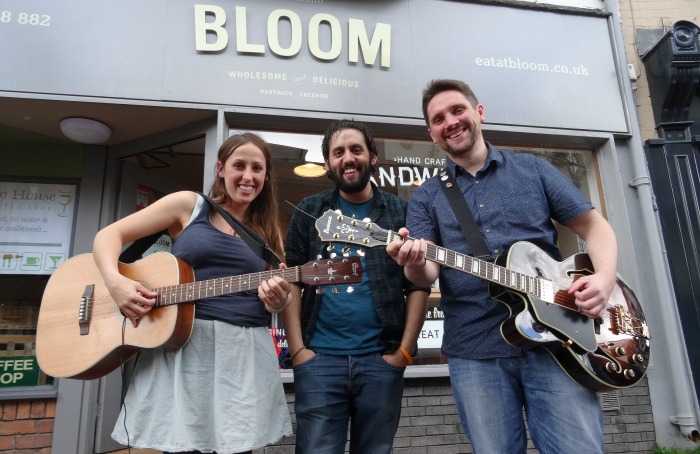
column 18, row 371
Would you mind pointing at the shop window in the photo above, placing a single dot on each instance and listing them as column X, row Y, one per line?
column 19, row 311
column 36, row 219
column 402, row 166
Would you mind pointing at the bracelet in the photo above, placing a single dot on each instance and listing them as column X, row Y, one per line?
column 409, row 359
column 291, row 358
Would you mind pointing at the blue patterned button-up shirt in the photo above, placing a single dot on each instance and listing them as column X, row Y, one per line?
column 514, row 197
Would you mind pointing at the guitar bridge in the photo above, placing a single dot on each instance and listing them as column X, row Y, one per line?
column 84, row 309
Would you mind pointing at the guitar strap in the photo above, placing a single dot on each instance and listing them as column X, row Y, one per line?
column 254, row 242
column 251, row 238
column 138, row 247
column 464, row 215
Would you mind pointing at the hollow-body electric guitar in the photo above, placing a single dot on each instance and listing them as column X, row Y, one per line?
column 82, row 334
column 601, row 355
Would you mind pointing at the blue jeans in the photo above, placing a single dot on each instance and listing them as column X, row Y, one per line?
column 562, row 416
column 331, row 391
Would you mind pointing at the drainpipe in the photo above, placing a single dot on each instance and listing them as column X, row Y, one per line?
column 681, row 386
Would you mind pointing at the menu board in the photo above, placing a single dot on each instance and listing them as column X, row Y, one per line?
column 36, row 222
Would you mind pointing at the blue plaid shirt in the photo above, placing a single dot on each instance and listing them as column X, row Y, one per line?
column 514, row 197
column 387, row 283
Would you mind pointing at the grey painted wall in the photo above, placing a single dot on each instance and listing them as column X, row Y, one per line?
column 535, row 67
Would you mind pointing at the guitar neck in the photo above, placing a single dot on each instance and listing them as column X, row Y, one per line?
column 534, row 286
column 175, row 294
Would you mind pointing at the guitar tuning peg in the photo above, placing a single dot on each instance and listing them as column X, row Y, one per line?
column 351, row 288
column 335, row 290
column 333, row 255
column 330, row 247
column 361, row 252
column 320, row 291
column 366, row 220
column 346, row 251
column 318, row 257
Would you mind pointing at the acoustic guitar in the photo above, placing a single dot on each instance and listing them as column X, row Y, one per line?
column 601, row 355
column 82, row 334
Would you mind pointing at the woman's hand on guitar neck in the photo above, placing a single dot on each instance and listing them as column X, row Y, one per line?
column 134, row 300
column 274, row 293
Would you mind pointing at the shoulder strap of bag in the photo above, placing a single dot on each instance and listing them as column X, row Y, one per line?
column 464, row 215
column 251, row 238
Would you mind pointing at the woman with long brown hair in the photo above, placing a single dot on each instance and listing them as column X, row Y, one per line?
column 222, row 391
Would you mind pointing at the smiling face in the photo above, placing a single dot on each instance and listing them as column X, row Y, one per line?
column 244, row 175
column 454, row 124
column 349, row 162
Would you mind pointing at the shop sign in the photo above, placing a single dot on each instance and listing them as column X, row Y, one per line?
column 210, row 21
column 432, row 332
column 18, row 371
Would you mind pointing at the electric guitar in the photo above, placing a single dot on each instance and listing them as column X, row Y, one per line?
column 601, row 355
column 82, row 334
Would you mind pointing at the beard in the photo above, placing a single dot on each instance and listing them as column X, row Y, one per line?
column 351, row 187
column 462, row 150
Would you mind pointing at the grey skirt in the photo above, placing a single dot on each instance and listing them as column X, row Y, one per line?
column 220, row 392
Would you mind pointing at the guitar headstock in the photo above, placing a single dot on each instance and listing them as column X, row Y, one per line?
column 334, row 227
column 342, row 270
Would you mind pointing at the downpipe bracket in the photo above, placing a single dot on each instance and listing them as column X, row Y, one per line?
column 687, row 427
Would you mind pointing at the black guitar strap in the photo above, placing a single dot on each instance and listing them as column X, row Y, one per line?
column 138, row 247
column 464, row 215
column 254, row 242
column 251, row 238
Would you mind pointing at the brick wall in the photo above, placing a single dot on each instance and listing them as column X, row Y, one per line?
column 27, row 426
column 430, row 424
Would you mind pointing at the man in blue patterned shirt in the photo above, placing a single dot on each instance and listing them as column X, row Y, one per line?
column 513, row 197
column 349, row 350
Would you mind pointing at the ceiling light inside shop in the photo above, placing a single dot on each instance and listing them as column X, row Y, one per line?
column 85, row 130
column 309, row 170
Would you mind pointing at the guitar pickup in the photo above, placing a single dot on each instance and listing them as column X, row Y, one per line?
column 84, row 309
column 546, row 290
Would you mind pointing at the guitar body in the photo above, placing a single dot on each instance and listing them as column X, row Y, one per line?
column 62, row 351
column 601, row 355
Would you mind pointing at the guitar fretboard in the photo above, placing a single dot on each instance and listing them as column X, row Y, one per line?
column 174, row 294
column 540, row 288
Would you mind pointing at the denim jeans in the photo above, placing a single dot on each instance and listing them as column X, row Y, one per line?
column 562, row 416
column 331, row 391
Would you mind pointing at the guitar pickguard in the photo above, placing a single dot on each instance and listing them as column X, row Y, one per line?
column 560, row 323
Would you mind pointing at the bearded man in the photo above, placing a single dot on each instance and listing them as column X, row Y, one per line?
column 349, row 350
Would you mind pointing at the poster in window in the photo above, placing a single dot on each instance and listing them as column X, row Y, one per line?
column 36, row 223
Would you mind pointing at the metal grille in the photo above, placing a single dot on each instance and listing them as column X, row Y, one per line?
column 610, row 401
